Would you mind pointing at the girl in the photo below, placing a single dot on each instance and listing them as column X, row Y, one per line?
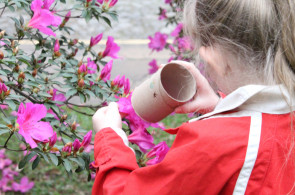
column 244, row 143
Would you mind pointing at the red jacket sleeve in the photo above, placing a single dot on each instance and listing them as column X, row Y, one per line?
column 199, row 162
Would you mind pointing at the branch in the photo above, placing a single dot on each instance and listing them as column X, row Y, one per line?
column 25, row 95
column 87, row 106
column 15, row 150
column 80, row 111
column 3, row 112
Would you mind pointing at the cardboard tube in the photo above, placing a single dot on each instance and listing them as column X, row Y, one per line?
column 158, row 96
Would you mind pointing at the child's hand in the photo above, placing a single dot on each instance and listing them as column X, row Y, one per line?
column 205, row 99
column 107, row 117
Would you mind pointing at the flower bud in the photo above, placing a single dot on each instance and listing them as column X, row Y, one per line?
column 51, row 92
column 67, row 148
column 21, row 77
column 74, row 126
column 76, row 145
column 80, row 63
column 16, row 68
column 36, row 90
column 81, row 83
column 2, row 33
column 1, row 55
column 87, row 139
column 53, row 140
column 12, row 43
column 34, row 73
column 46, row 80
column 15, row 51
column 64, row 117
column 7, row 93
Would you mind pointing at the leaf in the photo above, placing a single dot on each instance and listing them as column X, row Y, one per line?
column 71, row 92
column 53, row 158
column 36, row 162
column 26, row 159
column 82, row 97
column 3, row 73
column 44, row 156
column 79, row 169
column 90, row 93
column 67, row 165
column 44, row 94
column 80, row 161
column 3, row 126
column 107, row 20
column 11, row 104
column 4, row 131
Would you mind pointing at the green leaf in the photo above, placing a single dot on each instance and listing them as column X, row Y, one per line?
column 3, row 131
column 11, row 104
column 55, row 108
column 3, row 73
column 82, row 97
column 36, row 162
column 80, row 161
column 44, row 94
column 26, row 159
column 71, row 92
column 44, row 156
column 107, row 20
column 67, row 165
column 90, row 93
column 53, row 158
column 3, row 126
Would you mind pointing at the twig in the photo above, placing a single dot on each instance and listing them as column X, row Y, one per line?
column 80, row 111
column 3, row 112
column 25, row 95
column 6, row 142
column 87, row 106
column 3, row 10
column 15, row 150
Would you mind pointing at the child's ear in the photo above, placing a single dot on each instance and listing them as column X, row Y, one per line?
column 212, row 56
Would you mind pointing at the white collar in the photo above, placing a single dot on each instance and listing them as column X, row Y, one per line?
column 260, row 98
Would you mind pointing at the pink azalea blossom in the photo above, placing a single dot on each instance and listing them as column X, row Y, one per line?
column 56, row 46
column 95, row 40
column 107, row 3
column 3, row 107
column 168, row 1
column 157, row 153
column 24, row 186
column 153, row 66
column 111, row 49
column 116, row 81
column 158, row 42
column 52, row 140
column 3, row 88
column 126, row 87
column 121, row 82
column 106, row 71
column 76, row 145
column 142, row 138
column 67, row 148
column 57, row 97
column 30, row 126
column 89, row 148
column 67, row 16
column 91, row 66
column 83, row 68
column 43, row 18
column 177, row 30
column 163, row 14
column 87, row 139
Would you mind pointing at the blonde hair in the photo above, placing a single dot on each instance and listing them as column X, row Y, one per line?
column 259, row 33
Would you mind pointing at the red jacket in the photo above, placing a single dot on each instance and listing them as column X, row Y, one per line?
column 242, row 147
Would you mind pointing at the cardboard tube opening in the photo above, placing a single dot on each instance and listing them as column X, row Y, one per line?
column 178, row 82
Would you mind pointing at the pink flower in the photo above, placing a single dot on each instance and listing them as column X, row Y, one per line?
column 111, row 49
column 42, row 17
column 87, row 139
column 57, row 97
column 56, row 46
column 121, row 82
column 107, row 4
column 177, row 30
column 153, row 66
column 168, row 1
column 106, row 71
column 3, row 107
column 76, row 145
column 163, row 14
column 91, row 66
column 158, row 152
column 83, row 68
column 67, row 16
column 24, row 186
column 52, row 140
column 3, row 88
column 95, row 40
column 183, row 44
column 126, row 87
column 30, row 126
column 158, row 42
column 116, row 81
column 142, row 138
column 67, row 148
